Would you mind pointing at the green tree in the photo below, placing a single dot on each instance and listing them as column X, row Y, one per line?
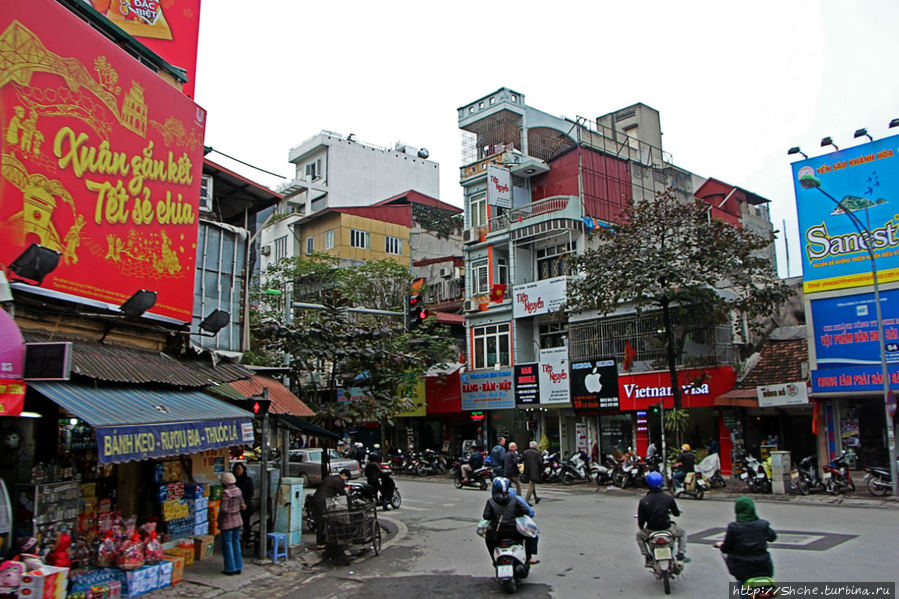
column 333, row 348
column 673, row 256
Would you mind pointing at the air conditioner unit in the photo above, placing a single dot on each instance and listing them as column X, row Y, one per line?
column 470, row 306
column 469, row 235
column 446, row 272
column 266, row 250
column 206, row 193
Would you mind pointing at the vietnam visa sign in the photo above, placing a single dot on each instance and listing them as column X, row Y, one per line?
column 102, row 161
column 118, row 444
column 865, row 179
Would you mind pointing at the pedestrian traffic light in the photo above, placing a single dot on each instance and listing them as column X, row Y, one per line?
column 260, row 405
column 417, row 312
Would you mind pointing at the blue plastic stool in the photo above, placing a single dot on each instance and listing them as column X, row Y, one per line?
column 279, row 539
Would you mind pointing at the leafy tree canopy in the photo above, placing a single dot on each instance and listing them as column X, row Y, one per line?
column 334, row 348
column 672, row 255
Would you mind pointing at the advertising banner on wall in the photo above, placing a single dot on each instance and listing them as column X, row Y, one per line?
column 539, row 297
column 846, row 330
column 554, row 377
column 865, row 179
column 499, row 186
column 527, row 384
column 594, row 386
column 101, row 162
column 170, row 28
column 487, row 390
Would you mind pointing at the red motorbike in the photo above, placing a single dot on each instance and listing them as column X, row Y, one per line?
column 837, row 477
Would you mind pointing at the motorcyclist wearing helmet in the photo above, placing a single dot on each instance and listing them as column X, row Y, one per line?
column 501, row 510
column 652, row 515
column 686, row 461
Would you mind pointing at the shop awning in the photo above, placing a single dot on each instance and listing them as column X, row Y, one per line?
column 305, row 427
column 138, row 423
column 739, row 398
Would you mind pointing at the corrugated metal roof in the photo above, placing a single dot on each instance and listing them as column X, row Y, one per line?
column 283, row 401
column 306, row 427
column 116, row 364
column 121, row 406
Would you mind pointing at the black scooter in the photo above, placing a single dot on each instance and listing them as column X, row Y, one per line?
column 478, row 479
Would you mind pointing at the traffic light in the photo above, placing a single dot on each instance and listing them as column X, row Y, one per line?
column 260, row 405
column 416, row 313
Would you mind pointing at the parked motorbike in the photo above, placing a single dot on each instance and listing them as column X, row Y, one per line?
column 479, row 478
column 552, row 467
column 665, row 564
column 632, row 472
column 388, row 494
column 804, row 478
column 879, row 481
column 574, row 469
column 602, row 473
column 837, row 476
column 710, row 468
column 511, row 564
column 430, row 463
column 755, row 475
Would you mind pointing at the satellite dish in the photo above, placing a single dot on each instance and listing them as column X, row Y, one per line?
column 423, row 153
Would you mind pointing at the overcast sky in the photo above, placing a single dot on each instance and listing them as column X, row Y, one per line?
column 736, row 86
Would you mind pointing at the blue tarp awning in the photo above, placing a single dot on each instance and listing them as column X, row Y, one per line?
column 139, row 423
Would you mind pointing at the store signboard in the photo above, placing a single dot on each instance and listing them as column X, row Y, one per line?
column 118, row 444
column 553, row 376
column 699, row 388
column 865, row 179
column 102, row 161
column 594, row 386
column 539, row 297
column 487, row 389
column 789, row 394
column 499, row 186
column 527, row 384
column 846, row 333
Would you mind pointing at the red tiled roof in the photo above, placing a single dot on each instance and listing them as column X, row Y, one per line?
column 283, row 401
column 780, row 362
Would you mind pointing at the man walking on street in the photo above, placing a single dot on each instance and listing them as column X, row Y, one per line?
column 533, row 470
column 510, row 469
column 497, row 455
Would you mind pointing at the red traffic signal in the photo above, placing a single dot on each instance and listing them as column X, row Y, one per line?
column 261, row 406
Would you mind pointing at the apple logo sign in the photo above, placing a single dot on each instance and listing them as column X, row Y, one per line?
column 591, row 381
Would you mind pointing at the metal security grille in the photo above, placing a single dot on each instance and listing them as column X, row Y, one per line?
column 644, row 335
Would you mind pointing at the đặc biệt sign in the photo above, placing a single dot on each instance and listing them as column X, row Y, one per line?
column 124, row 443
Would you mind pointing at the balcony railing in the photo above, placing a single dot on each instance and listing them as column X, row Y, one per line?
column 545, row 206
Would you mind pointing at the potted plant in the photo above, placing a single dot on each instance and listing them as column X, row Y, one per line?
column 483, row 302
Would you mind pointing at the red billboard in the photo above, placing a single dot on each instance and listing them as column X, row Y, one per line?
column 699, row 388
column 169, row 28
column 101, row 161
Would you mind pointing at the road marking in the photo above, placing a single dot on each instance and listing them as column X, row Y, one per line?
column 786, row 539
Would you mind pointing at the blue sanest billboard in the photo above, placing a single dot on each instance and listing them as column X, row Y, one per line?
column 865, row 179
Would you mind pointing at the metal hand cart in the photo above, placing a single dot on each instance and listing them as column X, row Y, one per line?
column 355, row 525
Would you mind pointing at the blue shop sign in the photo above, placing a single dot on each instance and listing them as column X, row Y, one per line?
column 123, row 443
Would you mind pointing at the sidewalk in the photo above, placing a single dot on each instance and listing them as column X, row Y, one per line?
column 260, row 578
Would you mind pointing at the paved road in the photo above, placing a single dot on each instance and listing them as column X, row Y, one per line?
column 587, row 547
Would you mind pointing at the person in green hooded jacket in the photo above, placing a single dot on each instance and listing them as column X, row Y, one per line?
column 746, row 543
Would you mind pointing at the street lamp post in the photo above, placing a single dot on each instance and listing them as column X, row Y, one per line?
column 809, row 181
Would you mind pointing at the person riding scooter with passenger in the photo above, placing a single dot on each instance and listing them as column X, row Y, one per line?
column 652, row 515
column 501, row 510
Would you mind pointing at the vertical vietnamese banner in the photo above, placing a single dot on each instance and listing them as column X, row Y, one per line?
column 101, row 162
column 170, row 28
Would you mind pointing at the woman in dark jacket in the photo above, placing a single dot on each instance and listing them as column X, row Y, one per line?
column 746, row 543
column 501, row 510
column 245, row 484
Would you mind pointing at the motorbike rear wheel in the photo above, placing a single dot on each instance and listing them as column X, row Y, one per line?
column 567, row 478
column 802, row 485
column 396, row 501
column 509, row 585
column 666, row 579
column 700, row 494
column 421, row 470
column 457, row 482
column 483, row 484
column 619, row 479
column 878, row 490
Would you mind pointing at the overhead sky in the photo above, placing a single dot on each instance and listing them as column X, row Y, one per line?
column 735, row 85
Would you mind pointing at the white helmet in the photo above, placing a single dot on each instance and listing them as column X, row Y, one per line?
column 11, row 440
